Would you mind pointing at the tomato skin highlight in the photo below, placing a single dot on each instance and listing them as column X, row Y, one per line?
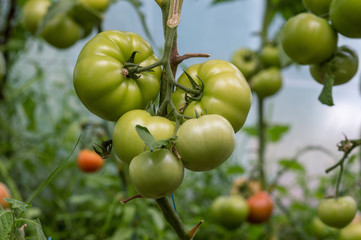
column 346, row 18
column 156, row 174
column 98, row 79
column 88, row 161
column 226, row 92
column 260, row 207
column 205, row 143
column 308, row 39
column 4, row 193
column 338, row 212
column 126, row 142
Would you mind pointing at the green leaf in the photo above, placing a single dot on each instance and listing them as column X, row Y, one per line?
column 6, row 222
column 39, row 230
column 16, row 204
column 326, row 94
column 276, row 132
column 149, row 140
column 235, row 170
column 250, row 131
column 292, row 164
column 29, row 109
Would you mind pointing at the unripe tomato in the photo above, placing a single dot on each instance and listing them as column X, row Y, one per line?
column 337, row 212
column 4, row 193
column 318, row 7
column 270, row 55
column 62, row 31
column 226, row 92
column 89, row 161
column 156, row 174
column 245, row 187
column 99, row 5
column 267, row 82
column 229, row 211
column 99, row 80
column 126, row 142
column 346, row 18
column 308, row 39
column 260, row 207
column 321, row 230
column 343, row 66
column 350, row 232
column 205, row 143
column 33, row 13
column 246, row 60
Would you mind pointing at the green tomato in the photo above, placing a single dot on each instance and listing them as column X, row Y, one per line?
column 338, row 212
column 33, row 13
column 62, row 31
column 100, row 82
column 321, row 230
column 246, row 60
column 318, row 7
column 343, row 66
column 350, row 232
column 205, row 143
column 229, row 211
column 346, row 18
column 156, row 174
column 99, row 5
column 270, row 55
column 226, row 92
column 126, row 142
column 308, row 39
column 267, row 82
column 2, row 66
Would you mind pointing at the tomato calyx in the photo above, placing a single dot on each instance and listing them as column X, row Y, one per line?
column 131, row 69
column 149, row 139
column 104, row 149
column 194, row 96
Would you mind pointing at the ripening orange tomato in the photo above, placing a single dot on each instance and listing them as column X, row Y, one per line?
column 4, row 193
column 89, row 161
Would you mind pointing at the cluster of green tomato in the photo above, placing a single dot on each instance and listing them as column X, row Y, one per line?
column 62, row 23
column 311, row 38
column 262, row 69
column 246, row 203
column 109, row 81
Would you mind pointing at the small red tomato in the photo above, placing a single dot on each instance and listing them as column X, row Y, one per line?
column 89, row 161
column 260, row 207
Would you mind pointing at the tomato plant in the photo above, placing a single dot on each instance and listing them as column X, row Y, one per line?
column 2, row 66
column 225, row 92
column 345, row 17
column 156, row 174
column 89, row 161
column 350, row 232
column 33, row 13
column 267, row 82
column 337, row 212
column 4, row 193
column 229, row 211
column 308, row 39
column 196, row 144
column 126, row 142
column 260, row 207
column 62, row 31
column 318, row 7
column 246, row 60
column 104, row 57
column 342, row 66
column 270, row 55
